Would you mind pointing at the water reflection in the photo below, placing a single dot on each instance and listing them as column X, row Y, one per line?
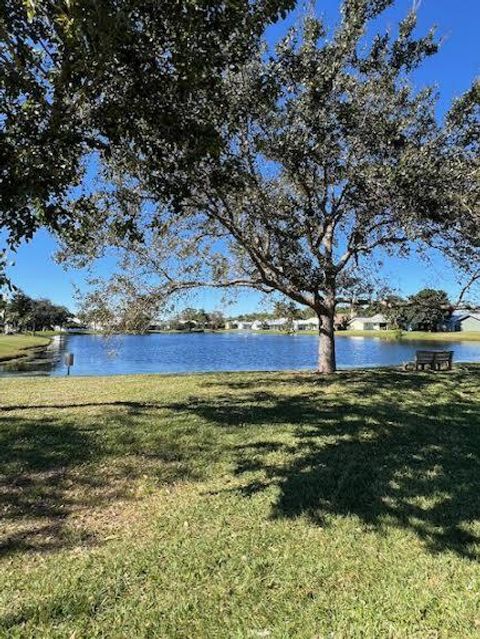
column 38, row 362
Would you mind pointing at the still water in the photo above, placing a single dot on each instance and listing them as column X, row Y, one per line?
column 195, row 352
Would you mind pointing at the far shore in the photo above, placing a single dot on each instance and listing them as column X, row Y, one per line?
column 457, row 336
column 21, row 345
column 454, row 336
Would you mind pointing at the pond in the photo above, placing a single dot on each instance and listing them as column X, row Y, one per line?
column 197, row 352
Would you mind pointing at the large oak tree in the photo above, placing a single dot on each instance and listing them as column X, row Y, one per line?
column 328, row 154
column 217, row 164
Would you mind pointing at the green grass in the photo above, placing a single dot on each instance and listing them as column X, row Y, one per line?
column 48, row 333
column 12, row 346
column 415, row 335
column 391, row 335
column 280, row 505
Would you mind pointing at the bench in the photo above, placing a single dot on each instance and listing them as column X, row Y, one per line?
column 435, row 359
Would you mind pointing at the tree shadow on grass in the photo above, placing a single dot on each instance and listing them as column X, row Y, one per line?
column 53, row 468
column 389, row 448
column 390, row 458
column 36, row 458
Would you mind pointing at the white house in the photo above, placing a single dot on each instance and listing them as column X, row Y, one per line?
column 8, row 329
column 464, row 322
column 269, row 324
column 376, row 323
column 310, row 324
column 242, row 325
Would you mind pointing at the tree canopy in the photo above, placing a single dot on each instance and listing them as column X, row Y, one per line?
column 82, row 81
column 298, row 164
column 24, row 313
column 427, row 310
column 329, row 154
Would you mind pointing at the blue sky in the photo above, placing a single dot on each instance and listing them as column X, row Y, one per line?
column 452, row 70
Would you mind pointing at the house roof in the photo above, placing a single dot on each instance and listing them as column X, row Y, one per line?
column 375, row 319
column 461, row 318
column 310, row 320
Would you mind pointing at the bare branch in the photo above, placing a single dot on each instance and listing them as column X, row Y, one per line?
column 475, row 277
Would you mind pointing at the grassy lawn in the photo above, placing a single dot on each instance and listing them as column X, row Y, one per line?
column 473, row 336
column 272, row 505
column 12, row 346
column 458, row 336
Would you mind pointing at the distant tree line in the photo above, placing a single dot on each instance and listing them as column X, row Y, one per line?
column 427, row 310
column 192, row 318
column 22, row 313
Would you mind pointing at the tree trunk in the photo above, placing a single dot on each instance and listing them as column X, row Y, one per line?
column 327, row 362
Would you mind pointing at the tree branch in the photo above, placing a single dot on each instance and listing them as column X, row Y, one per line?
column 474, row 278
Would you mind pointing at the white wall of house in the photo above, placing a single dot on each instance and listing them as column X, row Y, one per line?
column 310, row 324
column 357, row 324
column 470, row 324
column 275, row 324
column 375, row 323
column 244, row 326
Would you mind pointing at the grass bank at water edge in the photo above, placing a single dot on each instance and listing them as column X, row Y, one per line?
column 13, row 346
column 456, row 336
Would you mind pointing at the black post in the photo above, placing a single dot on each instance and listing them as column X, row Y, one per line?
column 69, row 361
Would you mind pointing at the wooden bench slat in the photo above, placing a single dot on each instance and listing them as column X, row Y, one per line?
column 434, row 359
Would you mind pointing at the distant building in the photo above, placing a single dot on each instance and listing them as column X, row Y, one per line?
column 464, row 322
column 159, row 326
column 270, row 324
column 376, row 323
column 59, row 329
column 241, row 325
column 76, row 325
column 310, row 324
column 282, row 323
column 8, row 329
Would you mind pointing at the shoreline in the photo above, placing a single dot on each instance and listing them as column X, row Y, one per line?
column 390, row 335
column 19, row 351
column 293, row 372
